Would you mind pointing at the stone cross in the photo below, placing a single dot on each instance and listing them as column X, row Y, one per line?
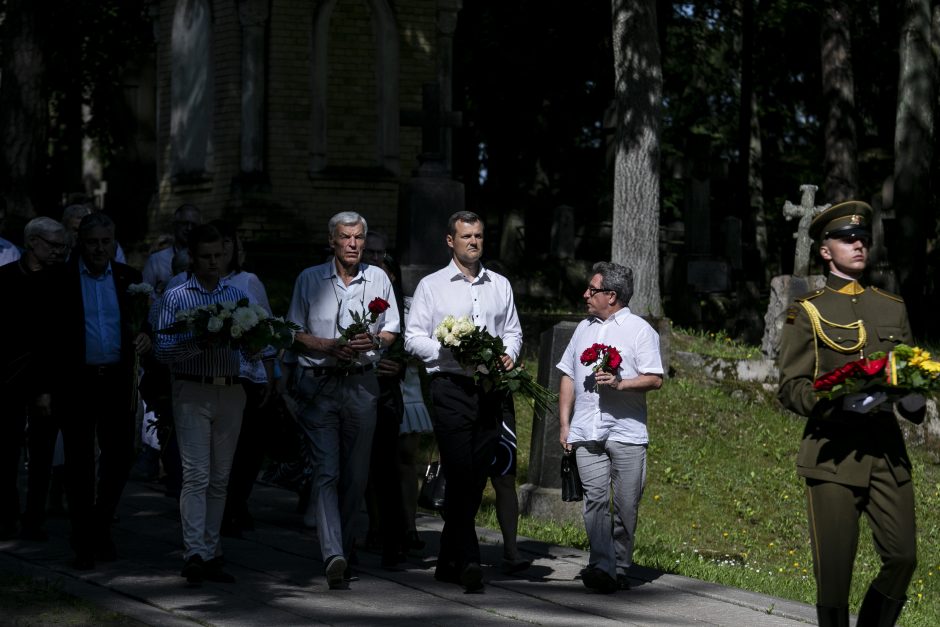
column 805, row 211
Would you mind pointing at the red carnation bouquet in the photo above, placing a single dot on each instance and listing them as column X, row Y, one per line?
column 602, row 358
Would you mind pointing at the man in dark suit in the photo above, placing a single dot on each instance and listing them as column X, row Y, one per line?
column 98, row 386
column 852, row 455
column 25, row 381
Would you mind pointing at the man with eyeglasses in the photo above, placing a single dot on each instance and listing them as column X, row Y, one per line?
column 335, row 379
column 852, row 455
column 467, row 419
column 159, row 267
column 25, row 385
column 602, row 417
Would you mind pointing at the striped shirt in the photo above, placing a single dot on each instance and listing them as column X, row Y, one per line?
column 180, row 351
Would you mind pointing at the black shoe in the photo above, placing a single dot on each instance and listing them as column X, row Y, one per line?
column 105, row 551
column 83, row 562
column 471, row 577
column 446, row 572
column 515, row 565
column 350, row 575
column 335, row 569
column 598, row 580
column 879, row 610
column 193, row 570
column 414, row 541
column 832, row 616
column 212, row 571
column 623, row 582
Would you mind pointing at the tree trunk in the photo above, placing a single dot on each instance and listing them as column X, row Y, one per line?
column 913, row 155
column 638, row 88
column 23, row 108
column 838, row 84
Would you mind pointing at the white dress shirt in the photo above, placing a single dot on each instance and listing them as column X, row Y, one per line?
column 606, row 414
column 8, row 252
column 322, row 303
column 486, row 299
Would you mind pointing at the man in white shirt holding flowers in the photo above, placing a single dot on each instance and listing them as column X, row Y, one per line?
column 348, row 315
column 467, row 418
column 608, row 367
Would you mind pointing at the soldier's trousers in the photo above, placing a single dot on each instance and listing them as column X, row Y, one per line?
column 834, row 511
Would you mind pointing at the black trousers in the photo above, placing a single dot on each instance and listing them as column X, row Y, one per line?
column 249, row 452
column 834, row 512
column 41, row 434
column 384, row 470
column 466, row 425
column 97, row 407
column 12, row 432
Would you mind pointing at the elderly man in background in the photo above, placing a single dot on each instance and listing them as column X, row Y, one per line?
column 336, row 380
column 25, row 386
column 602, row 415
column 98, row 349
column 159, row 267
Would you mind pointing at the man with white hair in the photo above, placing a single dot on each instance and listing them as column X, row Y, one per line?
column 336, row 379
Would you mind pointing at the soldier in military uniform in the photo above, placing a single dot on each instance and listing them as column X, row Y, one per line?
column 852, row 454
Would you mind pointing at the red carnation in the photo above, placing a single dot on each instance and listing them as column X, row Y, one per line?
column 589, row 356
column 613, row 358
column 377, row 306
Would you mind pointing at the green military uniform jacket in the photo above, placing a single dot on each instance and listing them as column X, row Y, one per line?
column 837, row 445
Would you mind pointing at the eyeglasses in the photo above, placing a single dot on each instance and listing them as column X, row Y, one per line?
column 595, row 290
column 53, row 245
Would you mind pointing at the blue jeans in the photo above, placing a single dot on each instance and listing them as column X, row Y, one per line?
column 611, row 468
column 339, row 419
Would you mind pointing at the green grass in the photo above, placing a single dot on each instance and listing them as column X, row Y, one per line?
column 723, row 502
column 713, row 344
column 26, row 601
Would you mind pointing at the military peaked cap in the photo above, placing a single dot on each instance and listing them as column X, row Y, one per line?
column 846, row 219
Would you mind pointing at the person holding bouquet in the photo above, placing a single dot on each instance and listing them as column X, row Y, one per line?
column 609, row 365
column 348, row 315
column 852, row 455
column 208, row 401
column 467, row 415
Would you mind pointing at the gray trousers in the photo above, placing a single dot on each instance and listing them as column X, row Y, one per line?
column 339, row 419
column 618, row 470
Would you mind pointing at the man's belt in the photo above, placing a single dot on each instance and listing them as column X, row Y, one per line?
column 206, row 380
column 101, row 370
column 338, row 371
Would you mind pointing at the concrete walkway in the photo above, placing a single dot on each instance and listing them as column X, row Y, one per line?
column 280, row 580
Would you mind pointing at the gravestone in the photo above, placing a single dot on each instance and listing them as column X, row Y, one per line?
column 540, row 496
column 430, row 197
column 784, row 289
column 563, row 233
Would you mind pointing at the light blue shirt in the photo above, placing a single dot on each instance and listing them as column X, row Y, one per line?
column 102, row 317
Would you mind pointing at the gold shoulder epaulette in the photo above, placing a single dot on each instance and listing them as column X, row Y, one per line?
column 882, row 292
column 809, row 295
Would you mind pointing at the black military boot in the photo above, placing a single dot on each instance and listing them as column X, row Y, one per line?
column 832, row 616
column 878, row 610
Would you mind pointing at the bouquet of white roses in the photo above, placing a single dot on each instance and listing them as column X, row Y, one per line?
column 481, row 352
column 239, row 325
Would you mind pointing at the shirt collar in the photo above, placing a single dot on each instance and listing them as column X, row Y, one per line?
column 617, row 317
column 82, row 268
column 192, row 283
column 455, row 273
column 328, row 271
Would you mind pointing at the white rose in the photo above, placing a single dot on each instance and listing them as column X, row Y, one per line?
column 224, row 313
column 483, row 369
column 245, row 318
column 214, row 325
column 236, row 331
column 259, row 311
column 140, row 288
column 229, row 304
column 451, row 340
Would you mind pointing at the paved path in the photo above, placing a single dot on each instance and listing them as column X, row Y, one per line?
column 280, row 580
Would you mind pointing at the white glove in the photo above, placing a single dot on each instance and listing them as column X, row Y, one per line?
column 863, row 402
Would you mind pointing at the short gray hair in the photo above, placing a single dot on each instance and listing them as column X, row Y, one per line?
column 75, row 211
column 93, row 221
column 347, row 218
column 41, row 226
column 616, row 278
